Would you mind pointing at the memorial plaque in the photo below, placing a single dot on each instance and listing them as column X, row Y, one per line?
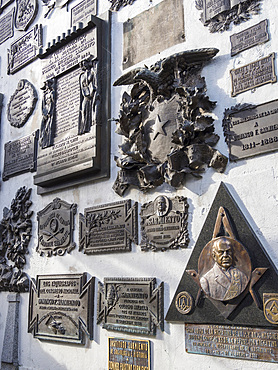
column 251, row 129
column 252, row 75
column 55, row 228
column 108, row 228
column 20, row 156
column 143, row 33
column 61, row 308
column 6, row 26
column 25, row 13
column 131, row 305
column 82, row 12
column 250, row 37
column 129, row 354
column 164, row 224
column 24, row 50
column 232, row 341
column 74, row 144
column 22, row 103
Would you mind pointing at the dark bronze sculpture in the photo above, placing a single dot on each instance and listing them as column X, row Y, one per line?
column 166, row 122
column 117, row 4
column 48, row 109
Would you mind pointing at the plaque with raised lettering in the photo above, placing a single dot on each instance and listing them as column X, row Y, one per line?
column 61, row 307
column 25, row 49
column 251, row 129
column 164, row 224
column 25, row 13
column 74, row 144
column 131, row 305
column 82, row 12
column 129, row 354
column 6, row 26
column 108, row 228
column 250, row 37
column 20, row 156
column 252, row 75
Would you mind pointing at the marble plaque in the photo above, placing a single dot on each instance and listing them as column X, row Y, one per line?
column 6, row 26
column 238, row 342
column 61, row 308
column 22, row 103
column 20, row 156
column 24, row 50
column 252, row 75
column 251, row 129
column 131, row 305
column 250, row 37
column 143, row 33
column 25, row 13
column 82, row 11
column 108, row 228
column 129, row 354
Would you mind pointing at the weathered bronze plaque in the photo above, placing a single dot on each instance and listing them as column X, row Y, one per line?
column 108, row 228
column 25, row 13
column 6, row 26
column 164, row 223
column 24, row 50
column 250, row 37
column 55, row 228
column 252, row 75
column 22, row 103
column 270, row 303
column 129, row 354
column 20, row 156
column 82, row 12
column 232, row 341
column 131, row 305
column 61, row 307
column 74, row 145
column 117, row 4
column 142, row 34
column 251, row 129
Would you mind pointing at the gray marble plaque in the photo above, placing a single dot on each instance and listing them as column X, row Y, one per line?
column 250, row 37
column 6, row 26
column 24, row 50
column 82, row 11
column 143, row 33
column 252, row 75
column 20, row 156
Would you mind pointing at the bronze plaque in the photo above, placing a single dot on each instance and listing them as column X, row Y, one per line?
column 250, row 37
column 55, row 228
column 164, row 223
column 251, row 129
column 61, row 307
column 252, row 75
column 129, row 354
column 108, row 228
column 6, row 26
column 20, row 156
column 143, row 33
column 232, row 341
column 131, row 305
column 82, row 12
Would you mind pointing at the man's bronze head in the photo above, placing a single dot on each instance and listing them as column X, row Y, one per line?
column 222, row 252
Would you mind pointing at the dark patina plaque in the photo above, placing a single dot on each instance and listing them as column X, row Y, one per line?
column 131, row 305
column 164, row 223
column 129, row 354
column 142, row 34
column 24, row 50
column 108, row 228
column 252, row 75
column 74, row 144
column 232, row 341
column 6, row 26
column 55, row 228
column 25, row 13
column 82, row 12
column 251, row 129
column 61, row 307
column 257, row 34
column 20, row 156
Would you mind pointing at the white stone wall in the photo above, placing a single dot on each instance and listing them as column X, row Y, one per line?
column 252, row 182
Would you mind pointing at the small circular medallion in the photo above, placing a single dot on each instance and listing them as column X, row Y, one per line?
column 184, row 302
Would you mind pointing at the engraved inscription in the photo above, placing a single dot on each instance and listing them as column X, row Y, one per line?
column 128, row 354
column 6, row 26
column 215, row 7
column 82, row 11
column 253, row 75
column 232, row 341
column 20, row 156
column 252, row 36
